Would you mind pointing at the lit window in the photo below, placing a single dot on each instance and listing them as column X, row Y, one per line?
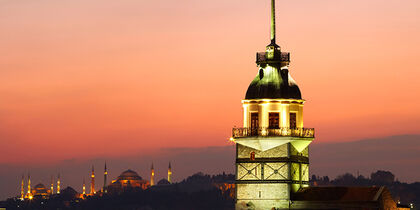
column 273, row 120
column 292, row 120
column 252, row 156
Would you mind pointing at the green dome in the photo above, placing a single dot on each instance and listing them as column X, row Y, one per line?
column 273, row 83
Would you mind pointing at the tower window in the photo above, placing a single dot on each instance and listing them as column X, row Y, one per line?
column 252, row 156
column 292, row 120
column 261, row 74
column 273, row 120
column 254, row 124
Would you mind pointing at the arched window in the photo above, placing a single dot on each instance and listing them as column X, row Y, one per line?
column 252, row 156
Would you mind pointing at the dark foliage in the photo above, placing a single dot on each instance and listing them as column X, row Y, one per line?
column 403, row 192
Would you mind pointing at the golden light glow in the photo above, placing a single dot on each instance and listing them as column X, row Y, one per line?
column 58, row 187
column 272, row 100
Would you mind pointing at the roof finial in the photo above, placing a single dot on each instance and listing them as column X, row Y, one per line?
column 273, row 22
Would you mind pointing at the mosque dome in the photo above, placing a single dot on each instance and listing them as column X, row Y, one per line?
column 128, row 179
column 273, row 83
column 129, row 175
column 163, row 182
column 40, row 189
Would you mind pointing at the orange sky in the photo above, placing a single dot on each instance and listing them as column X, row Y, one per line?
column 106, row 78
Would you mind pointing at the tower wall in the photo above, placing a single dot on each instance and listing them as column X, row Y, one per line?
column 272, row 163
column 266, row 179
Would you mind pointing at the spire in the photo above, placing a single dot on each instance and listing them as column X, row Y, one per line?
column 105, row 176
column 29, row 183
column 22, row 188
column 52, row 184
column 273, row 54
column 29, row 194
column 58, row 183
column 84, row 187
column 169, row 173
column 273, row 22
column 92, row 183
column 152, row 176
column 272, row 46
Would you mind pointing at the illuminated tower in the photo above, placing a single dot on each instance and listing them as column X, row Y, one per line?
column 58, row 184
column 105, row 175
column 84, row 187
column 272, row 159
column 52, row 184
column 169, row 173
column 152, row 176
column 92, row 182
column 29, row 194
column 22, row 188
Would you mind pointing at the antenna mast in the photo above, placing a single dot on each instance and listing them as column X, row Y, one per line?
column 273, row 22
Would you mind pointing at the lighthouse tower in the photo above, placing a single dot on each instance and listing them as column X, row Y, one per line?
column 272, row 159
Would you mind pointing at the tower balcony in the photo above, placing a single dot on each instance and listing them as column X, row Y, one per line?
column 262, row 57
column 273, row 132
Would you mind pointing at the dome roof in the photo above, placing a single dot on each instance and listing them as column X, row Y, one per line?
column 163, row 182
column 40, row 187
column 273, row 83
column 129, row 175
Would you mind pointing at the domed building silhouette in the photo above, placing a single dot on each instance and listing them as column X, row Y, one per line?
column 40, row 191
column 163, row 182
column 129, row 179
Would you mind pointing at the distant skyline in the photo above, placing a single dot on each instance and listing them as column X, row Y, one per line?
column 106, row 79
column 396, row 154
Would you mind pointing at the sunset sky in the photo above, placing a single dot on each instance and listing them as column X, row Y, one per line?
column 101, row 78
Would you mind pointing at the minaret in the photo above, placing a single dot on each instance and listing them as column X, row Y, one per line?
column 84, row 187
column 58, row 183
column 29, row 183
column 105, row 175
column 29, row 194
column 169, row 173
column 152, row 176
column 92, row 183
column 272, row 158
column 22, row 188
column 52, row 184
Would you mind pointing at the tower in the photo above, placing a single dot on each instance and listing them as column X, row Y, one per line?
column 22, row 188
column 52, row 185
column 152, row 176
column 105, row 175
column 29, row 193
column 169, row 173
column 84, row 187
column 272, row 159
column 58, row 183
column 92, row 182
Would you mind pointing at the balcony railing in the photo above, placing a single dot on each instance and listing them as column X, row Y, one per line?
column 284, row 56
column 270, row 132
